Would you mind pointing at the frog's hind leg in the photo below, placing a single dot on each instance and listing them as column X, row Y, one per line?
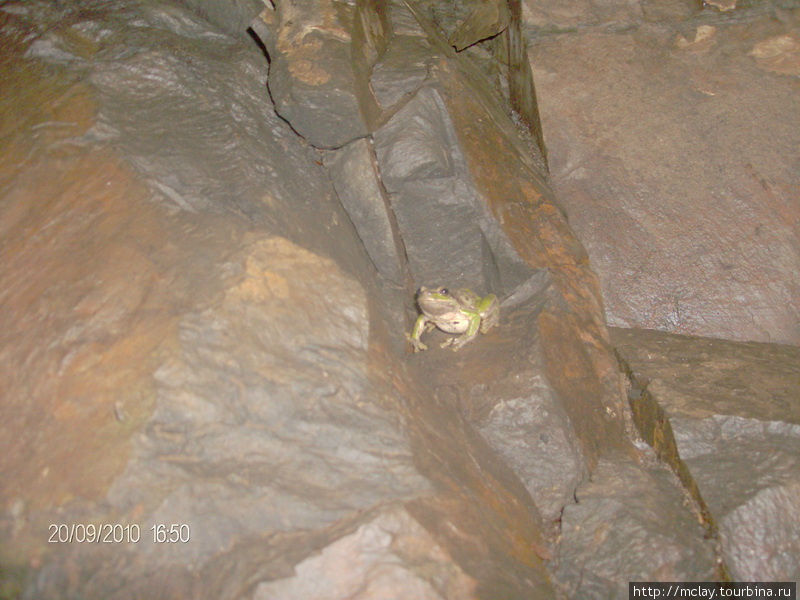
column 491, row 315
column 490, row 321
column 469, row 335
column 458, row 342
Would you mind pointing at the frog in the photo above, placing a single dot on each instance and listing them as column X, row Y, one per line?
column 461, row 311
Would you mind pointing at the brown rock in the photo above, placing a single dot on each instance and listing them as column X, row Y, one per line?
column 684, row 204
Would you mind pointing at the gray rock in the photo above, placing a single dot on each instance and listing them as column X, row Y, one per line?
column 358, row 187
column 449, row 234
column 402, row 69
column 702, row 377
column 535, row 438
column 264, row 405
column 575, row 14
column 630, row 523
column 210, row 324
column 749, row 474
column 486, row 19
column 401, row 20
column 683, row 206
column 313, row 81
column 391, row 556
column 231, row 17
column 733, row 410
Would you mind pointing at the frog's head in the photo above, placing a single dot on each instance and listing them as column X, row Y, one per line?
column 436, row 302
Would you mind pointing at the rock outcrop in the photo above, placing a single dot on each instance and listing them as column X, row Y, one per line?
column 672, row 135
column 213, row 225
column 726, row 416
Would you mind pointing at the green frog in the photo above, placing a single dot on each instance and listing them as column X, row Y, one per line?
column 459, row 312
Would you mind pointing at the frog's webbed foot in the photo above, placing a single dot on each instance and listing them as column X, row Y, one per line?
column 420, row 327
column 458, row 342
column 417, row 344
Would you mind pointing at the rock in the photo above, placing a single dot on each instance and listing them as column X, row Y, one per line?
column 499, row 379
column 703, row 376
column 188, row 370
column 568, row 16
column 449, row 236
column 614, row 534
column 232, row 17
column 747, row 471
column 358, row 186
column 313, row 77
column 402, row 70
column 722, row 5
column 702, row 42
column 733, row 409
column 779, row 54
column 379, row 553
column 242, row 403
column 536, row 438
column 486, row 19
column 204, row 315
column 686, row 235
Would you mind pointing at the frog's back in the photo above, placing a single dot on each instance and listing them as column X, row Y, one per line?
column 466, row 298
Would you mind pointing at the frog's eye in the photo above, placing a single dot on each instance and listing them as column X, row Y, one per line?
column 443, row 291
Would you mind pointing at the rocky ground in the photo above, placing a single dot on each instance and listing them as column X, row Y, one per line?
column 214, row 218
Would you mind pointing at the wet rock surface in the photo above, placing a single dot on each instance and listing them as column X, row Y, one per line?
column 672, row 141
column 211, row 240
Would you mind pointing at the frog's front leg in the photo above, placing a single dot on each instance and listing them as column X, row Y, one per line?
column 468, row 335
column 419, row 328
